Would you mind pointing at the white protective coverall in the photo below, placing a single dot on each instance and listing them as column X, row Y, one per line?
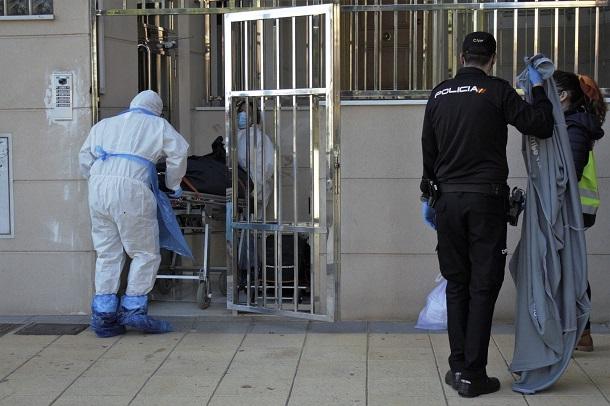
column 122, row 206
column 263, row 158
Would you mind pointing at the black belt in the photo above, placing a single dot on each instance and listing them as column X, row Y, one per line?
column 486, row 188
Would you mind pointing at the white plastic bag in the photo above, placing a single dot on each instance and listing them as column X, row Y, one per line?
column 434, row 314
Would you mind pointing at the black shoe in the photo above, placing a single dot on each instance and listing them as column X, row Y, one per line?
column 473, row 388
column 453, row 379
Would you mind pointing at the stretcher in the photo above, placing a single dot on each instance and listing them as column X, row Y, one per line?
column 195, row 213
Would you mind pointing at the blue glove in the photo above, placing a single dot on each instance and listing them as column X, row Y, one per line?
column 177, row 193
column 535, row 78
column 429, row 215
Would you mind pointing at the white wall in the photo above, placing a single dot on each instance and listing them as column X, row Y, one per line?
column 47, row 268
column 388, row 261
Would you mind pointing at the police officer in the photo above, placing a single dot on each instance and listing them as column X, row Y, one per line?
column 465, row 196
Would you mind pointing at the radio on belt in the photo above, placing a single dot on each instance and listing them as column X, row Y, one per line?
column 62, row 96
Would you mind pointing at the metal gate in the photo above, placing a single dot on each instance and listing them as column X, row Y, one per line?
column 282, row 114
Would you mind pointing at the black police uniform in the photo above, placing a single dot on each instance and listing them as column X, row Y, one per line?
column 464, row 152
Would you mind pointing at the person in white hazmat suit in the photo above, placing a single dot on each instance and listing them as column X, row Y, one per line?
column 118, row 159
column 262, row 152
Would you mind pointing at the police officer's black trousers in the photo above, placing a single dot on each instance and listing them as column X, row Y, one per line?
column 472, row 254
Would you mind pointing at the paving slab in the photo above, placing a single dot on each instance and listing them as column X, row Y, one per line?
column 93, row 401
column 168, row 385
column 26, row 400
column 251, row 400
column 39, row 386
column 328, row 391
column 487, row 400
column 402, row 399
column 402, row 368
column 550, row 400
column 163, row 400
column 406, row 386
column 321, row 369
column 402, row 340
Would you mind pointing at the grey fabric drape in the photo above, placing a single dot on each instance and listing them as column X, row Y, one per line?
column 549, row 266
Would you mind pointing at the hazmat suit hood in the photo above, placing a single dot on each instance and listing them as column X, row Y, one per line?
column 148, row 100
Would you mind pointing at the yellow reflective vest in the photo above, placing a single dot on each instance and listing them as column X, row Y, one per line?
column 589, row 193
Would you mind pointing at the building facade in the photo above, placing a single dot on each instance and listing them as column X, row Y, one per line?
column 390, row 56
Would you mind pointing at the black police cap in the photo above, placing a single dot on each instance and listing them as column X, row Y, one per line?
column 479, row 43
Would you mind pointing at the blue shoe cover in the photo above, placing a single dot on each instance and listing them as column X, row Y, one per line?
column 104, row 320
column 134, row 313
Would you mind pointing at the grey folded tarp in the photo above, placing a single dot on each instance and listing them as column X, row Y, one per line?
column 549, row 266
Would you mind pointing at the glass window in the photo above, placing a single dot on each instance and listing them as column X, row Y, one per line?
column 17, row 8
column 40, row 7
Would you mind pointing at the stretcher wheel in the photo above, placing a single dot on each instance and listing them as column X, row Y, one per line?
column 203, row 294
column 222, row 283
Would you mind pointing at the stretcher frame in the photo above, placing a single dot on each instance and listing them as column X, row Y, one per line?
column 206, row 206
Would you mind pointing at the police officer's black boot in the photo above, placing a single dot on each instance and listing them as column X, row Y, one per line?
column 453, row 379
column 470, row 388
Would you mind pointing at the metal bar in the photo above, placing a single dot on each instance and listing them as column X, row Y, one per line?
column 424, row 49
column 333, row 157
column 207, row 56
column 264, row 186
column 556, row 37
column 277, row 13
column 515, row 44
column 206, row 246
column 356, row 60
column 350, row 81
column 232, row 196
column 94, row 62
column 376, row 50
column 269, row 12
column 472, row 6
column 415, row 44
column 366, row 45
column 294, row 161
column 576, row 37
column 277, row 171
column 176, row 11
column 437, row 63
column 287, row 313
column 596, row 66
column 287, row 228
column 475, row 15
column 278, row 92
column 395, row 59
column 495, row 34
column 390, row 96
column 187, row 277
column 454, row 33
column 311, row 154
column 536, row 28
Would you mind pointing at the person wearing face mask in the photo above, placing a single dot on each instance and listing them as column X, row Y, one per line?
column 261, row 152
column 585, row 111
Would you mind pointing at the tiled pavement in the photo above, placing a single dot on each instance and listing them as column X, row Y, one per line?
column 264, row 361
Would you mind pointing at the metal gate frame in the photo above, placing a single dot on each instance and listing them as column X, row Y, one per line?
column 331, row 225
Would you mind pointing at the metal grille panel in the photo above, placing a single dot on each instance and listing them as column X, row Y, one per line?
column 55, row 329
